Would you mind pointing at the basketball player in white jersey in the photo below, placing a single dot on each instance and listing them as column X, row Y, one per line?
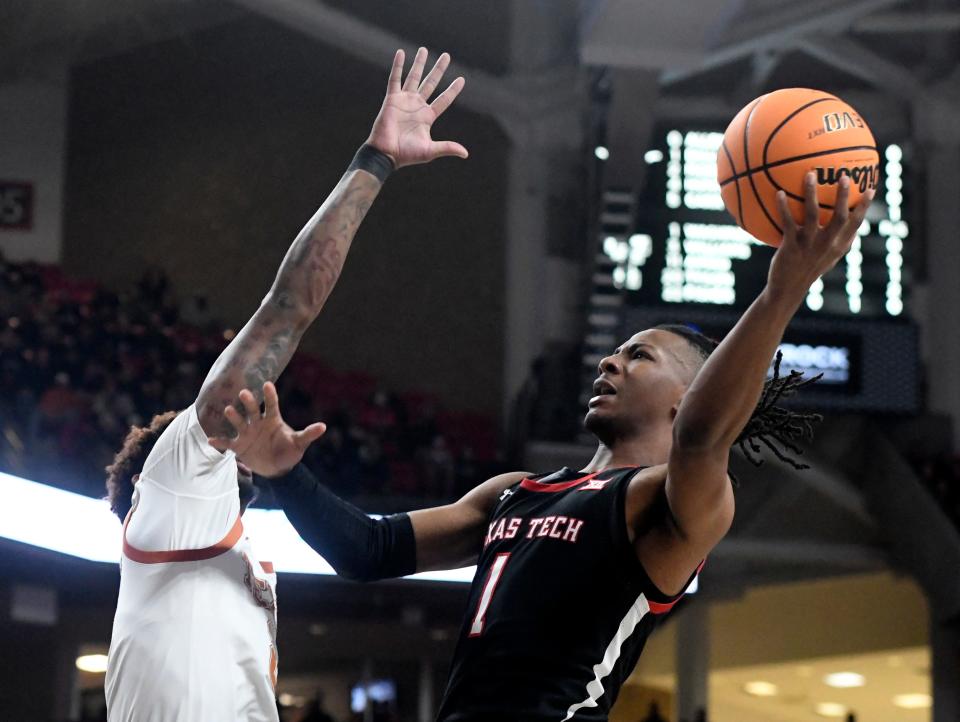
column 194, row 637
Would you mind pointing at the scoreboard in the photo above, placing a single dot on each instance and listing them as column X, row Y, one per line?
column 684, row 260
column 686, row 249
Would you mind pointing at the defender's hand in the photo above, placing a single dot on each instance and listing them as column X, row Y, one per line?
column 810, row 251
column 402, row 128
column 265, row 442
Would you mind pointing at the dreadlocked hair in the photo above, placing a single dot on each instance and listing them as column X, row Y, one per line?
column 775, row 427
column 778, row 429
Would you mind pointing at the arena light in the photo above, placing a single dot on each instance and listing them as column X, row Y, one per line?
column 58, row 520
column 602, row 152
column 913, row 701
column 814, row 301
column 291, row 700
column 894, row 229
column 653, row 156
column 843, row 680
column 93, row 663
column 831, row 709
column 81, row 526
column 760, row 688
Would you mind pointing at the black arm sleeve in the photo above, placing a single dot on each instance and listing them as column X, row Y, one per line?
column 356, row 546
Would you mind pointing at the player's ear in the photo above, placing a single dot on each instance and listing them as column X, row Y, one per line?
column 135, row 478
column 676, row 407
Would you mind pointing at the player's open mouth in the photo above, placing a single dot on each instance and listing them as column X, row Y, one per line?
column 601, row 388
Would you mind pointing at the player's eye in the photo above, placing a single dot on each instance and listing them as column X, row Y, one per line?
column 643, row 354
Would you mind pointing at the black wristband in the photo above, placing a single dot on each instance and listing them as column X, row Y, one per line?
column 373, row 161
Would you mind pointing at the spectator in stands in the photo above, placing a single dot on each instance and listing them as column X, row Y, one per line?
column 80, row 364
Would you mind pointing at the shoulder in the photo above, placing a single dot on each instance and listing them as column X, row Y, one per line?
column 483, row 497
column 647, row 480
column 648, row 507
column 182, row 452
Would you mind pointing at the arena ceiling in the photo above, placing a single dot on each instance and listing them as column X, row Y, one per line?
column 519, row 53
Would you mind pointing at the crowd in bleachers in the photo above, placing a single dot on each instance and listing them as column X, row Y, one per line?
column 80, row 364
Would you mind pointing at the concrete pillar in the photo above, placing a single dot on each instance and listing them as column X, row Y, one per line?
column 693, row 660
column 630, row 122
column 941, row 339
column 545, row 135
column 526, row 249
column 938, row 300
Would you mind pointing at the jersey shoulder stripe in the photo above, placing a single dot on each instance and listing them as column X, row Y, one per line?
column 182, row 555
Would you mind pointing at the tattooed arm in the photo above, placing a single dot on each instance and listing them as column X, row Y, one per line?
column 312, row 265
column 306, row 277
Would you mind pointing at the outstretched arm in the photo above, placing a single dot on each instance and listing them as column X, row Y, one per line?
column 366, row 549
column 722, row 397
column 400, row 136
column 357, row 546
column 451, row 536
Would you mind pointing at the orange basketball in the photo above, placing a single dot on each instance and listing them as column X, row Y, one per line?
column 776, row 140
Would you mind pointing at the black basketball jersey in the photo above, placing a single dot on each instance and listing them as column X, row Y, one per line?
column 560, row 607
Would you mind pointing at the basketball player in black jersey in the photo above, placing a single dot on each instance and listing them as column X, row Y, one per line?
column 575, row 566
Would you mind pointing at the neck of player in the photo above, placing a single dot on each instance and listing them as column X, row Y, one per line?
column 646, row 449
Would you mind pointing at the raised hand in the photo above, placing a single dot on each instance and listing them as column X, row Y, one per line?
column 402, row 128
column 265, row 442
column 809, row 251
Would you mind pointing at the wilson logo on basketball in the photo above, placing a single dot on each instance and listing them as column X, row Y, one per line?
column 832, row 122
column 865, row 176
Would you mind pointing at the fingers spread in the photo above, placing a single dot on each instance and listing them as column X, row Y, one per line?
column 429, row 83
column 310, row 434
column 442, row 148
column 251, row 408
column 811, row 206
column 786, row 217
column 271, row 403
column 853, row 223
column 841, row 209
column 416, row 70
column 396, row 72
column 445, row 98
column 234, row 418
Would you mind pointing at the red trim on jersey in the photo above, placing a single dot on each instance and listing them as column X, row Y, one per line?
column 658, row 608
column 182, row 555
column 274, row 659
column 663, row 608
column 534, row 485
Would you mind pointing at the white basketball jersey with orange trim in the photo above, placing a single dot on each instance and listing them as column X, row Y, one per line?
column 194, row 636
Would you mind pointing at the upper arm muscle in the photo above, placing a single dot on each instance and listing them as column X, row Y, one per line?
column 699, row 495
column 677, row 513
column 451, row 536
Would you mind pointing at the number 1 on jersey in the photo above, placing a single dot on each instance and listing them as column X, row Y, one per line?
column 496, row 571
